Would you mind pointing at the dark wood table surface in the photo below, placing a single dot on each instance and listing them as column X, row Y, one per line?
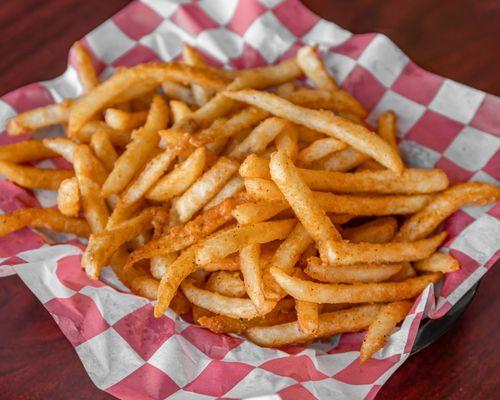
column 457, row 39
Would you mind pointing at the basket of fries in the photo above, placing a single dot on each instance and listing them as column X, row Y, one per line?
column 256, row 215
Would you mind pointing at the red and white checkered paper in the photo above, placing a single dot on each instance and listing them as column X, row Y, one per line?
column 132, row 355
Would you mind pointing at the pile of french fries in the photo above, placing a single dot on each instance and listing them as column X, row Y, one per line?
column 263, row 205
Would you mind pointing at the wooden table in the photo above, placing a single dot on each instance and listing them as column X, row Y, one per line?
column 457, row 39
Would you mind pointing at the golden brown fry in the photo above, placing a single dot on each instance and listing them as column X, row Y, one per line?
column 411, row 181
column 47, row 218
column 355, row 135
column 380, row 230
column 94, row 207
column 229, row 241
column 342, row 252
column 252, row 275
column 68, row 197
column 252, row 213
column 84, row 67
column 139, row 150
column 260, row 137
column 192, row 57
column 356, row 273
column 285, row 88
column 383, row 325
column 438, row 262
column 34, row 178
column 427, row 220
column 159, row 264
column 226, row 283
column 301, row 199
column 41, row 117
column 118, row 119
column 205, row 188
column 319, row 149
column 387, row 128
column 180, row 179
column 119, row 138
column 226, row 264
column 356, row 293
column 351, row 320
column 307, row 312
column 185, row 235
column 287, row 141
column 307, row 135
column 101, row 145
column 314, row 69
column 341, row 161
column 224, row 305
column 177, row 91
column 233, row 186
column 263, row 189
column 105, row 94
column 179, row 110
column 102, row 245
column 406, row 272
column 27, row 150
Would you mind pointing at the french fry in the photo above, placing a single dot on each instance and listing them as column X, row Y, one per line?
column 252, row 276
column 68, row 197
column 285, row 89
column 307, row 135
column 153, row 170
column 411, row 181
column 265, row 190
column 177, row 91
column 343, row 252
column 230, row 189
column 351, row 320
column 103, row 244
column 356, row 273
column 180, row 179
column 229, row 241
column 438, row 262
column 290, row 250
column 380, row 230
column 34, row 178
column 118, row 119
column 226, row 264
column 159, row 264
column 357, row 293
column 185, row 235
column 387, row 128
column 47, row 218
column 139, row 151
column 406, row 271
column 226, row 283
column 252, row 213
column 427, row 220
column 62, row 146
column 179, row 110
column 319, row 149
column 192, row 57
column 94, row 207
column 341, row 161
column 155, row 73
column 38, row 118
column 314, row 69
column 260, row 137
column 287, row 141
column 27, row 150
column 224, row 305
column 355, row 135
column 119, row 138
column 307, row 312
column 84, row 68
column 205, row 188
column 380, row 329
column 101, row 145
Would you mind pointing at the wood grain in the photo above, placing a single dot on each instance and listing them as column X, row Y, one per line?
column 457, row 39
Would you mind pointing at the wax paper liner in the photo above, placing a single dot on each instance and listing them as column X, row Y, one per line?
column 131, row 355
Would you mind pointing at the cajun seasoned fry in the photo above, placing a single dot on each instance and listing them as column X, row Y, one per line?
column 178, row 92
column 251, row 270
column 28, row 150
column 179, row 110
column 319, row 149
column 118, row 119
column 47, row 218
column 68, row 197
column 341, row 161
column 101, row 145
column 234, row 186
column 159, row 264
column 314, row 69
column 192, row 57
column 380, row 230
column 226, row 242
column 356, row 293
column 84, row 67
column 251, row 213
column 342, row 252
column 355, row 135
column 205, row 188
column 438, row 262
column 287, row 141
column 38, row 118
column 351, row 320
column 379, row 330
column 355, row 273
column 307, row 312
column 464, row 194
column 226, row 283
column 34, row 178
column 118, row 137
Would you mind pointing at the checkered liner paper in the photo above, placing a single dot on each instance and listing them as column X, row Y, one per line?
column 132, row 355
